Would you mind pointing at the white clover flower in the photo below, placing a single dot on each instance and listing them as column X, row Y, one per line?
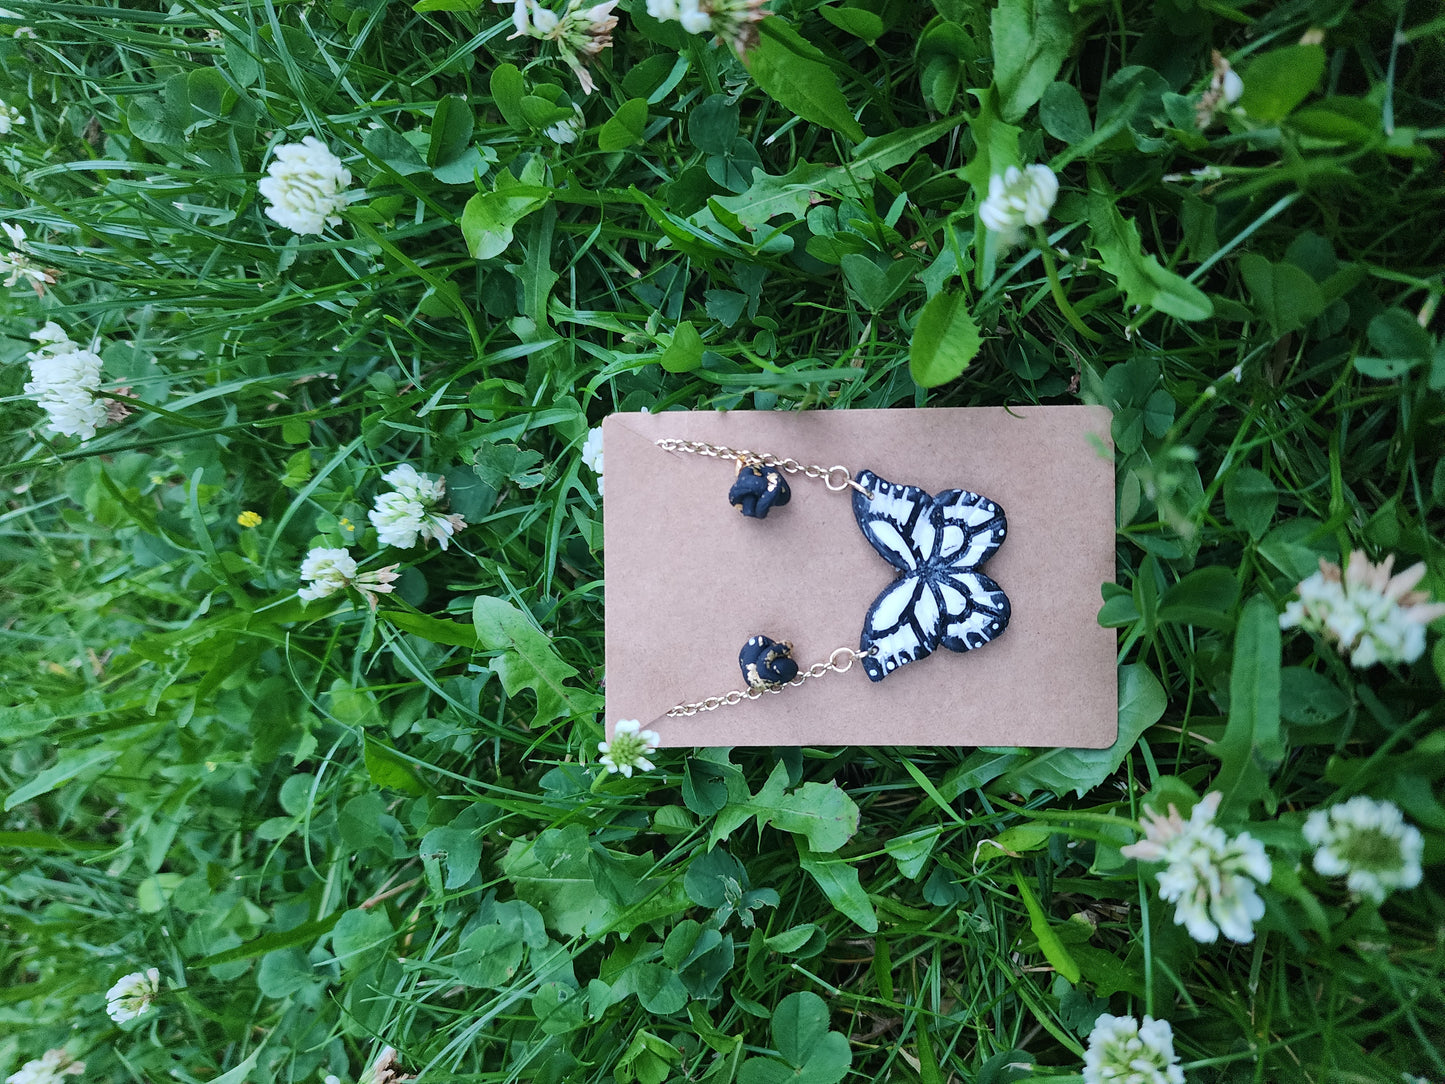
column 16, row 264
column 1369, row 842
column 132, row 995
column 734, row 21
column 63, row 379
column 398, row 520
column 1365, row 612
column 411, row 513
column 1232, row 87
column 382, row 1070
column 592, row 454
column 628, row 748
column 566, row 131
column 52, row 1067
column 306, row 186
column 9, row 118
column 414, row 485
column 1225, row 88
column 327, row 571
column 1017, row 198
column 580, row 33
column 1211, row 876
column 1121, row 1050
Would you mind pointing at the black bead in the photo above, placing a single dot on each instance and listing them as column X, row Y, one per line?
column 766, row 662
column 758, row 490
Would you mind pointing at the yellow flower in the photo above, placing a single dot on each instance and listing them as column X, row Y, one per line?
column 249, row 519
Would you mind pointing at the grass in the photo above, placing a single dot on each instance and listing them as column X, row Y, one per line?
column 334, row 830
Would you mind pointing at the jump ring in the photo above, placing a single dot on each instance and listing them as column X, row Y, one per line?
column 834, row 485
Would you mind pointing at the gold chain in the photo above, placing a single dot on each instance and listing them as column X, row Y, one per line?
column 829, row 476
column 737, row 696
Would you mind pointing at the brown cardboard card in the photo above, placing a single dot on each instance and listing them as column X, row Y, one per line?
column 690, row 580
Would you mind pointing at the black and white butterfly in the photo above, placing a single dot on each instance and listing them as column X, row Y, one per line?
column 938, row 544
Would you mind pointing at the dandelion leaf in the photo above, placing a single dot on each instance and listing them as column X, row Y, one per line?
column 1141, row 277
column 527, row 660
column 1251, row 747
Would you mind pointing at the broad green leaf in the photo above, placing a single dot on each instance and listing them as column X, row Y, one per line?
column 1250, row 500
column 552, row 874
column 1251, row 748
column 713, row 124
column 507, row 87
column 1402, row 344
column 625, row 127
column 1295, row 547
column 945, row 340
column 1283, row 295
column 284, row 972
column 800, row 1023
column 813, row 1053
column 394, row 150
column 1064, row 115
column 490, row 956
column 770, row 196
column 822, row 813
column 435, row 629
column 784, row 66
column 658, row 988
column 559, row 1008
column 1031, row 38
column 148, row 119
column 528, row 661
column 460, row 848
column 995, row 144
column 387, row 768
column 1141, row 277
column 1277, row 81
column 872, row 285
column 684, row 353
column 489, row 217
column 859, row 22
column 66, row 767
column 27, row 720
column 1141, row 704
column 1204, row 597
column 878, row 154
column 802, row 941
column 1309, row 699
column 451, row 130
column 839, row 881
column 359, row 931
column 1340, row 120
column 1049, row 943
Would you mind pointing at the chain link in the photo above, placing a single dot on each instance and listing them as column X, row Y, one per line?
column 837, row 478
column 737, row 696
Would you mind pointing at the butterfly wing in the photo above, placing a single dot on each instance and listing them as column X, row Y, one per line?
column 976, row 609
column 971, row 528
column 898, row 521
column 903, row 625
column 937, row 543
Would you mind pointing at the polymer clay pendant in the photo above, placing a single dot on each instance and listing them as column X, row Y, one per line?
column 937, row 543
column 757, row 490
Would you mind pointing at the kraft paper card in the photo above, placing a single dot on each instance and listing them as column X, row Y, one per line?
column 690, row 580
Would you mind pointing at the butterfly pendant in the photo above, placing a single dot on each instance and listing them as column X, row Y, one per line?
column 937, row 544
